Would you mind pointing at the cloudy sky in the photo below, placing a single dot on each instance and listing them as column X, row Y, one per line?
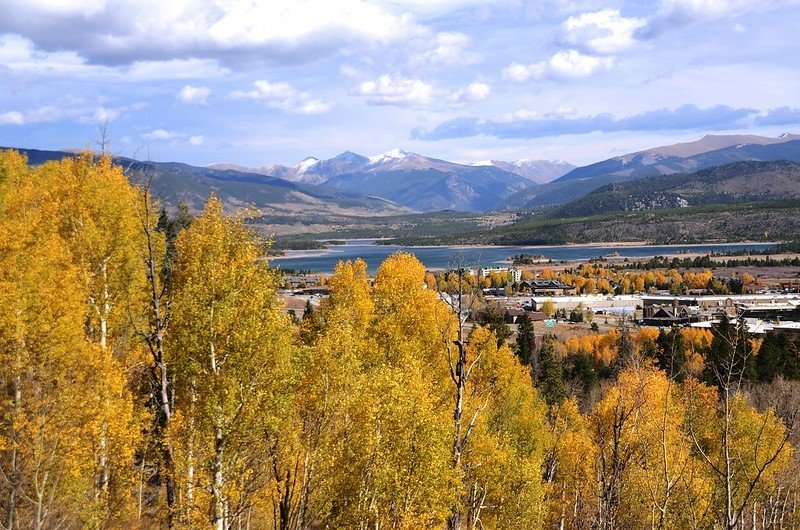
column 255, row 83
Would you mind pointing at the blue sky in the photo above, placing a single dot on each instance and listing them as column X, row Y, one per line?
column 275, row 81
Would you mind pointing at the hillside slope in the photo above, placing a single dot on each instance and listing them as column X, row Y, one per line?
column 174, row 182
column 653, row 162
column 738, row 181
column 479, row 188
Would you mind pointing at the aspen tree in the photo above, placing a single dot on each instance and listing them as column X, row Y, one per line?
column 230, row 343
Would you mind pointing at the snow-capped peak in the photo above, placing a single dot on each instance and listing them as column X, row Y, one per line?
column 392, row 154
column 304, row 166
column 482, row 163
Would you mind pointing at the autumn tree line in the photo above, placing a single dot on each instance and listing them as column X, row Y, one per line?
column 594, row 278
column 151, row 378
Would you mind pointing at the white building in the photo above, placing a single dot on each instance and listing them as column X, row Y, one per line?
column 515, row 273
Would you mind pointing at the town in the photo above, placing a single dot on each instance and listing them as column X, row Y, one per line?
column 595, row 296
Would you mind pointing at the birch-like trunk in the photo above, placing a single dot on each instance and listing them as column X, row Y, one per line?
column 156, row 344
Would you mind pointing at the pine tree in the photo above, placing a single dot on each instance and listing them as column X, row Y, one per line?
column 551, row 372
column 526, row 341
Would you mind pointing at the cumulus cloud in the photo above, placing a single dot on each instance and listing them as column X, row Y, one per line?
column 572, row 63
column 21, row 55
column 562, row 64
column 473, row 92
column 194, row 95
column 533, row 125
column 779, row 116
column 388, row 90
column 174, row 137
column 315, row 106
column 276, row 31
column 161, row 134
column 174, row 69
column 78, row 110
column 531, row 114
column 605, row 31
column 283, row 96
column 449, row 48
column 520, row 73
column 266, row 91
column 12, row 118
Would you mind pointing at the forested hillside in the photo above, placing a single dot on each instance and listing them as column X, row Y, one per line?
column 739, row 181
column 151, row 378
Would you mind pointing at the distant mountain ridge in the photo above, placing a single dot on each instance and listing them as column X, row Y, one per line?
column 657, row 161
column 420, row 182
column 538, row 171
column 315, row 171
column 174, row 182
column 747, row 181
column 399, row 181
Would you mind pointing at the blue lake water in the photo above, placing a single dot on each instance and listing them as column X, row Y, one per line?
column 450, row 257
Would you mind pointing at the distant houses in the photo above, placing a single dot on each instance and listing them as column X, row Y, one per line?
column 668, row 316
column 545, row 287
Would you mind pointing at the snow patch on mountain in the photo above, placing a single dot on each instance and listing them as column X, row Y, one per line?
column 307, row 164
column 388, row 156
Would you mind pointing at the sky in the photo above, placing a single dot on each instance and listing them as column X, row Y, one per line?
column 275, row 81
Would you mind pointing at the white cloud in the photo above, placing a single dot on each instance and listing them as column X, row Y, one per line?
column 266, row 91
column 572, row 63
column 450, row 48
column 173, row 137
column 273, row 31
column 283, row 96
column 315, row 106
column 174, row 69
column 79, row 110
column 161, row 134
column 563, row 64
column 194, row 95
column 520, row 73
column 473, row 92
column 12, row 118
column 531, row 114
column 519, row 115
column 21, row 55
column 348, row 70
column 396, row 91
column 605, row 31
column 102, row 115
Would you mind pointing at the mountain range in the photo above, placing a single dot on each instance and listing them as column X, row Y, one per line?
column 173, row 182
column 315, row 171
column 419, row 182
column 398, row 181
column 745, row 181
column 706, row 152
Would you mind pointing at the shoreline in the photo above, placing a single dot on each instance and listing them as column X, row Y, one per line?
column 658, row 250
column 612, row 244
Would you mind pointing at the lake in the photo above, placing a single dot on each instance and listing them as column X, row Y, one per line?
column 449, row 257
